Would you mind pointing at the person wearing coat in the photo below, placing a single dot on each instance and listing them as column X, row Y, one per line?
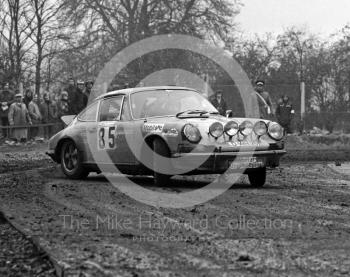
column 19, row 115
column 285, row 113
column 264, row 100
column 219, row 102
column 81, row 98
column 72, row 91
column 6, row 99
column 28, row 97
column 35, row 115
column 62, row 105
column 48, row 111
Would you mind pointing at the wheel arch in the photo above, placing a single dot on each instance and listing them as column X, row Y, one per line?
column 59, row 147
column 150, row 138
column 148, row 141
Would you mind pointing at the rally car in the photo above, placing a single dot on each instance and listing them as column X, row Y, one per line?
column 164, row 131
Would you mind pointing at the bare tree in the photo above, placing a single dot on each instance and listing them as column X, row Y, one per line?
column 257, row 56
column 44, row 32
column 14, row 31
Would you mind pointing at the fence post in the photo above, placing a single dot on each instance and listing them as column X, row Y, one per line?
column 302, row 104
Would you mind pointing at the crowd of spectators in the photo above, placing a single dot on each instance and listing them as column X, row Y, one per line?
column 32, row 117
column 35, row 117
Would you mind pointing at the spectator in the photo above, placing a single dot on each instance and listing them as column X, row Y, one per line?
column 284, row 114
column 49, row 114
column 219, row 102
column 72, row 91
column 28, row 97
column 6, row 99
column 88, row 87
column 35, row 115
column 62, row 107
column 264, row 100
column 19, row 115
column 81, row 98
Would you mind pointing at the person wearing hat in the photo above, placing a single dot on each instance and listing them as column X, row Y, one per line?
column 19, row 116
column 264, row 100
column 219, row 102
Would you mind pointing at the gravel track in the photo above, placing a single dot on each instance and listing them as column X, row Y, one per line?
column 301, row 219
column 299, row 224
column 19, row 256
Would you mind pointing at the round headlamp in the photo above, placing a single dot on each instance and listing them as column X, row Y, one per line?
column 231, row 128
column 246, row 128
column 216, row 129
column 260, row 128
column 191, row 133
column 275, row 131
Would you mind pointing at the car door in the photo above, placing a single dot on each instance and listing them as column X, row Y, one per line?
column 125, row 134
column 86, row 131
column 111, row 131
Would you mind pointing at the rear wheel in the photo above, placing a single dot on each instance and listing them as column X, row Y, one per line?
column 71, row 161
column 160, row 148
column 257, row 178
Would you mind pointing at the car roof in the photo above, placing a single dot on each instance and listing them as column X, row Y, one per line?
column 140, row 89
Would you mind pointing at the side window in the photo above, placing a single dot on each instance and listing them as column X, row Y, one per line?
column 110, row 108
column 126, row 110
column 90, row 113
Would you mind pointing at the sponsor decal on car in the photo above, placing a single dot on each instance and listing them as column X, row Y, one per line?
column 153, row 127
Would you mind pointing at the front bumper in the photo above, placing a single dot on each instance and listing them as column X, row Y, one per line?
column 219, row 162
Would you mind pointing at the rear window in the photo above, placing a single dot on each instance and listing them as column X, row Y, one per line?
column 110, row 108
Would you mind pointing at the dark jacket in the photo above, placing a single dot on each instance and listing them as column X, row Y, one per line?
column 221, row 107
column 72, row 96
column 6, row 99
column 81, row 101
column 77, row 100
column 265, row 104
column 28, row 98
column 48, row 112
column 284, row 113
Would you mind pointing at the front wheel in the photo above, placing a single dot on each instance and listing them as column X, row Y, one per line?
column 160, row 148
column 257, row 178
column 71, row 161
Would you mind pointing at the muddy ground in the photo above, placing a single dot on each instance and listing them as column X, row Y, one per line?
column 297, row 225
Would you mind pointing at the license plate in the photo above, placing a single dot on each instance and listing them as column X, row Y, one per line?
column 246, row 162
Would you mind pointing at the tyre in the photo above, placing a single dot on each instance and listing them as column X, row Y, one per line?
column 160, row 148
column 257, row 178
column 71, row 161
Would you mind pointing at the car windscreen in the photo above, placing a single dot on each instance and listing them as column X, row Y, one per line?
column 167, row 103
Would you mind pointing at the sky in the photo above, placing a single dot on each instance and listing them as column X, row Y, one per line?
column 322, row 17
